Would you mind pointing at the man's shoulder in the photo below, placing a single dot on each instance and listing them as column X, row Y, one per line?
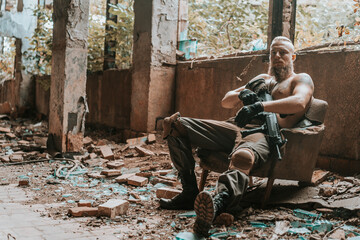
column 302, row 78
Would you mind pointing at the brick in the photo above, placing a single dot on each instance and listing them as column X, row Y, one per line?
column 24, row 182
column 162, row 172
column 16, row 158
column 106, row 152
column 151, row 138
column 113, row 208
column 167, row 193
column 137, row 141
column 319, row 176
column 137, row 181
column 10, row 135
column 23, row 142
column 5, row 158
column 5, row 130
column 164, row 181
column 74, row 142
column 124, row 178
column 92, row 156
column 96, row 175
column 144, row 174
column 143, row 151
column 111, row 173
column 84, row 204
column 87, row 141
column 83, row 211
column 117, row 164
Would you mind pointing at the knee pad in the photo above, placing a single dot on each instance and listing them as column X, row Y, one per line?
column 243, row 159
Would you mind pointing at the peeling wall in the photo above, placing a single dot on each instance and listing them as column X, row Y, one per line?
column 108, row 96
column 200, row 86
column 21, row 25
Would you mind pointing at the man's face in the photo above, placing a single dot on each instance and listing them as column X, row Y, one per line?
column 281, row 59
column 281, row 54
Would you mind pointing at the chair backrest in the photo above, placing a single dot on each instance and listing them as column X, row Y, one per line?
column 301, row 150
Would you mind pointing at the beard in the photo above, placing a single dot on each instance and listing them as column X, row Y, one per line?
column 280, row 73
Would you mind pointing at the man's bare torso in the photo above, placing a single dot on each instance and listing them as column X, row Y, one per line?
column 283, row 89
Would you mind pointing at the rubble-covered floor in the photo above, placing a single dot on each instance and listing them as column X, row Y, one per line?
column 51, row 186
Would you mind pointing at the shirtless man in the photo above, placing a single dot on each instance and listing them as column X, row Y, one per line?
column 292, row 94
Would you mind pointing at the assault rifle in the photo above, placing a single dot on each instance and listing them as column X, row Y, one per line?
column 271, row 127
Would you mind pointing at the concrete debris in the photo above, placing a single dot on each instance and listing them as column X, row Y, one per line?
column 120, row 185
column 137, row 181
column 113, row 208
column 106, row 152
column 137, row 141
column 151, row 138
column 144, row 152
column 83, row 211
column 167, row 193
column 117, row 164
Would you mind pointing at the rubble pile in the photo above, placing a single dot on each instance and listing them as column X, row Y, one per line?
column 112, row 183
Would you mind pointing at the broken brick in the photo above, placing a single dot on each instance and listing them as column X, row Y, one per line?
column 164, row 181
column 143, row 151
column 136, row 141
column 167, row 193
column 151, row 138
column 24, row 182
column 74, row 142
column 162, row 172
column 83, row 211
column 115, row 164
column 5, row 130
column 144, row 174
column 113, row 208
column 92, row 156
column 124, row 178
column 84, row 204
column 96, row 175
column 5, row 158
column 137, row 181
column 87, row 141
column 111, row 173
column 10, row 135
column 23, row 142
column 319, row 176
column 106, row 152
column 16, row 158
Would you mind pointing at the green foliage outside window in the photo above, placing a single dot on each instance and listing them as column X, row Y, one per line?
column 327, row 21
column 225, row 27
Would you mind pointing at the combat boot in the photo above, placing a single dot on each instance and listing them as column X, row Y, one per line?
column 185, row 200
column 207, row 208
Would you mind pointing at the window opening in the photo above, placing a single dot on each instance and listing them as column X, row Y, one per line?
column 327, row 23
column 7, row 59
column 224, row 27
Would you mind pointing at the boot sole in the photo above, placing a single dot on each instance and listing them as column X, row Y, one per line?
column 205, row 213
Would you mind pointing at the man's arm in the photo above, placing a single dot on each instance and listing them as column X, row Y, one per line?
column 295, row 104
column 231, row 98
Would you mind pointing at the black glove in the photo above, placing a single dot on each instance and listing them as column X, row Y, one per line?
column 256, row 85
column 246, row 113
column 248, row 97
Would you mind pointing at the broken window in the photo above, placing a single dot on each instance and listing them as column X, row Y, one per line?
column 10, row 5
column 224, row 27
column 7, row 58
column 327, row 23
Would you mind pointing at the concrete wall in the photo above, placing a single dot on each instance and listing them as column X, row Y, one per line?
column 201, row 85
column 108, row 98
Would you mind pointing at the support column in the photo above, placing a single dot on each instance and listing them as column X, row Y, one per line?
column 68, row 77
column 282, row 16
column 275, row 20
column 109, row 54
column 289, row 17
column 154, row 60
